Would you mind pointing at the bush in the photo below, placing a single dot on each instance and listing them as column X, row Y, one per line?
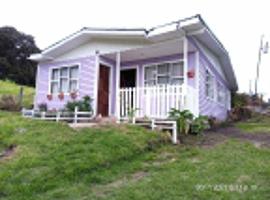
column 42, row 107
column 240, row 99
column 83, row 105
column 240, row 113
column 9, row 103
column 199, row 124
column 186, row 123
column 183, row 118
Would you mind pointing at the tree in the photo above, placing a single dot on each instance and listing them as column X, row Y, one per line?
column 15, row 48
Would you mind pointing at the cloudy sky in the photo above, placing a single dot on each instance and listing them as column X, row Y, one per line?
column 237, row 23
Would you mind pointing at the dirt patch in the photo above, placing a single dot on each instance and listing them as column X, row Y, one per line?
column 212, row 138
column 8, row 152
column 258, row 139
column 103, row 190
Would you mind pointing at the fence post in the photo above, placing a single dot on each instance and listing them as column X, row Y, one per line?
column 58, row 116
column 152, row 124
column 75, row 115
column 42, row 115
column 20, row 98
column 174, row 133
column 23, row 110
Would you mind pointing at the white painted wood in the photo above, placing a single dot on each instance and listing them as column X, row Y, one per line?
column 117, row 68
column 156, row 100
column 75, row 115
column 96, row 83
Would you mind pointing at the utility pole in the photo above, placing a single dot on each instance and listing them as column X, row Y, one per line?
column 262, row 49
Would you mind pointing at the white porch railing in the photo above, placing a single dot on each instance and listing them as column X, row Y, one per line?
column 74, row 117
column 156, row 101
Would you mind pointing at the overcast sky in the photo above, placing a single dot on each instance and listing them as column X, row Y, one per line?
column 237, row 23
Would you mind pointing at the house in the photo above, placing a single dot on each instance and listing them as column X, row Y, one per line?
column 177, row 65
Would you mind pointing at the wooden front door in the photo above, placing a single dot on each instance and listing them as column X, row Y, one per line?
column 103, row 90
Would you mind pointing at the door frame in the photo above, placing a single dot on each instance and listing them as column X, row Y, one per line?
column 137, row 71
column 106, row 64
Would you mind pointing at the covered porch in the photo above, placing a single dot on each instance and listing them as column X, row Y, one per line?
column 148, row 81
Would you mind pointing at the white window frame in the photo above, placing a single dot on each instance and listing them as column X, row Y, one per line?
column 155, row 64
column 212, row 84
column 59, row 77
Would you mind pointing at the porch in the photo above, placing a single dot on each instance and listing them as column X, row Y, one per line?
column 149, row 81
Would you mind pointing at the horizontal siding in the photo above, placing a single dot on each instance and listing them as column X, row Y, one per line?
column 209, row 107
column 86, row 83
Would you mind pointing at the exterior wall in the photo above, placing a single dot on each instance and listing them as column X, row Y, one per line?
column 87, row 78
column 207, row 106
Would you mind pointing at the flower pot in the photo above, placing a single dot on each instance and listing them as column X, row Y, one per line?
column 61, row 96
column 49, row 97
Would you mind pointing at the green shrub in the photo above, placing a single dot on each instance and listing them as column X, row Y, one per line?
column 183, row 118
column 42, row 107
column 186, row 123
column 199, row 124
column 9, row 103
column 240, row 113
column 83, row 105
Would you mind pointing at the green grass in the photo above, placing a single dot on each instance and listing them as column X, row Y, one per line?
column 52, row 161
column 10, row 88
column 258, row 124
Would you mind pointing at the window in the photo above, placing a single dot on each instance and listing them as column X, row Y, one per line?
column 209, row 85
column 164, row 74
column 64, row 79
column 221, row 95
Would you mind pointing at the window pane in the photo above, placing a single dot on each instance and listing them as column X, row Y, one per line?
column 55, row 74
column 163, row 68
column 150, row 73
column 64, row 72
column 177, row 81
column 163, row 80
column 54, row 87
column 177, row 69
column 150, row 83
column 74, row 72
column 73, row 86
column 64, row 85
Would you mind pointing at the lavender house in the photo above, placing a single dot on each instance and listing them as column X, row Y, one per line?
column 177, row 65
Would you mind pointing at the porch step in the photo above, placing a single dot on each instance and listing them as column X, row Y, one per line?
column 159, row 124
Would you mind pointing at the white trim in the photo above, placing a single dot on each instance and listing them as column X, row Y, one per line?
column 106, row 64
column 96, row 84
column 117, row 88
column 69, row 65
column 185, row 57
column 137, row 72
column 37, row 88
column 197, row 82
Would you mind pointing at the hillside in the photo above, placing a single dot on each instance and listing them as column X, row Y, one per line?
column 11, row 88
column 49, row 160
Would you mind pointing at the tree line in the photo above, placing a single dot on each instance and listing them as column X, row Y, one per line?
column 15, row 49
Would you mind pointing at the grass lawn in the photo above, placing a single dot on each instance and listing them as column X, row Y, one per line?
column 258, row 124
column 10, row 88
column 52, row 161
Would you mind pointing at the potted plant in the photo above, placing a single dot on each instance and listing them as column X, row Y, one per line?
column 73, row 95
column 49, row 97
column 61, row 95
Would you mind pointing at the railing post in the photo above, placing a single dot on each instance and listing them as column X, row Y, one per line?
column 152, row 124
column 58, row 116
column 23, row 110
column 75, row 115
column 43, row 115
column 174, row 133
